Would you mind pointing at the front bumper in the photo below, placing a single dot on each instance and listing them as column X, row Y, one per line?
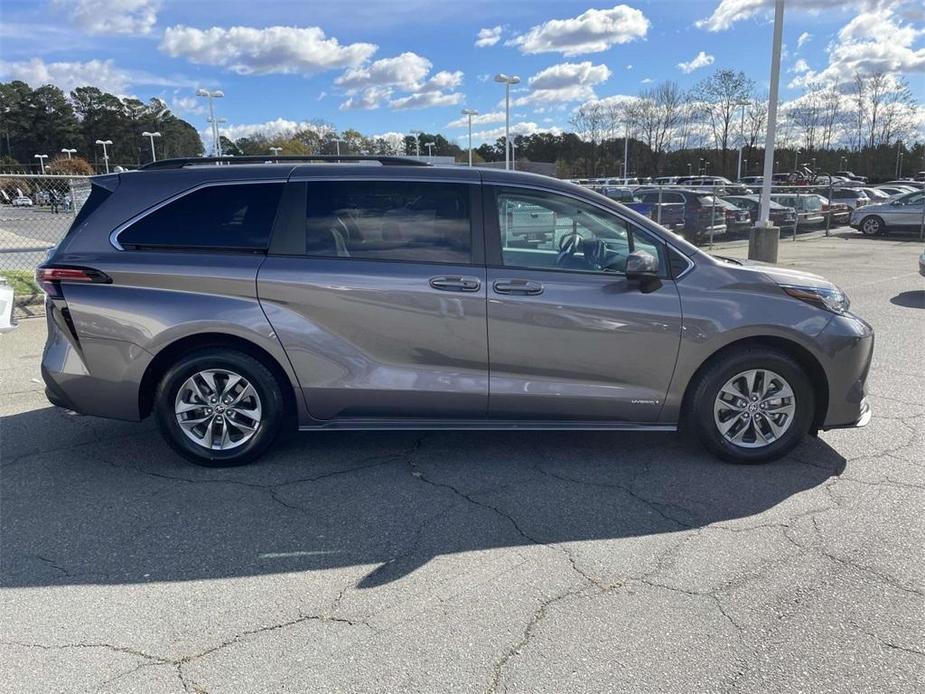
column 848, row 342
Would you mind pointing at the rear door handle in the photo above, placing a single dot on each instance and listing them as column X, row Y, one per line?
column 455, row 283
column 518, row 286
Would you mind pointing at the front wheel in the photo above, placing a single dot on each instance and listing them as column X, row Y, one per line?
column 219, row 407
column 752, row 406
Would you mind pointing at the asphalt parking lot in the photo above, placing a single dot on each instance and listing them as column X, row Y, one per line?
column 486, row 562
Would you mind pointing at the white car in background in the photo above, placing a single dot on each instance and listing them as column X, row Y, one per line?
column 22, row 201
column 6, row 307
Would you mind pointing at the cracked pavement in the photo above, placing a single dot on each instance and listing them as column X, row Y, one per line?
column 474, row 562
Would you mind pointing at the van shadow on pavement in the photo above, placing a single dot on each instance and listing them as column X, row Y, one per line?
column 108, row 503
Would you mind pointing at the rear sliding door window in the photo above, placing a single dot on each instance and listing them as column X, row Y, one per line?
column 389, row 220
column 224, row 217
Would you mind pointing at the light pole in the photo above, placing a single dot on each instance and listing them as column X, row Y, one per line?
column 743, row 104
column 689, row 167
column 337, row 141
column 151, row 137
column 417, row 142
column 68, row 152
column 514, row 153
column 626, row 150
column 210, row 95
column 796, row 159
column 899, row 158
column 507, row 81
column 42, row 158
column 105, row 153
column 700, row 169
column 770, row 254
column 469, row 113
column 218, row 135
column 430, row 149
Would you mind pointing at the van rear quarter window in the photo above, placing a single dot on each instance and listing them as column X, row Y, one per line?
column 220, row 217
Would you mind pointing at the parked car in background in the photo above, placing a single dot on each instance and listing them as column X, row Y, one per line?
column 702, row 218
column 892, row 190
column 751, row 180
column 668, row 214
column 920, row 176
column 808, row 207
column 6, row 307
column 852, row 197
column 22, row 201
column 907, row 182
column 852, row 176
column 839, row 212
column 737, row 218
column 779, row 215
column 922, row 264
column 666, row 180
column 875, row 194
column 234, row 302
column 717, row 184
column 903, row 212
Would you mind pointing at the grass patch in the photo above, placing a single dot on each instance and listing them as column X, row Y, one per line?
column 22, row 282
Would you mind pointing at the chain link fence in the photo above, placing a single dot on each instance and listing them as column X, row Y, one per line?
column 35, row 213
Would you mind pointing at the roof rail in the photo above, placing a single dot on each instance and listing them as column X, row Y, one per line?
column 271, row 159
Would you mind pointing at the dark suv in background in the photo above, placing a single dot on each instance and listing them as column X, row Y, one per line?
column 233, row 299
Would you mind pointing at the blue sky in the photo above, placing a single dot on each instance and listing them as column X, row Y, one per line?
column 381, row 66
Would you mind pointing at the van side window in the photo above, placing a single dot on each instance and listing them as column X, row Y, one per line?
column 389, row 220
column 546, row 231
column 221, row 217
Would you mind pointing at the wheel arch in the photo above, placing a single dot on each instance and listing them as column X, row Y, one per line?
column 810, row 365
column 169, row 354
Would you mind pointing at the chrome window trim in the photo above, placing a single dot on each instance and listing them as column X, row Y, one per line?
column 114, row 236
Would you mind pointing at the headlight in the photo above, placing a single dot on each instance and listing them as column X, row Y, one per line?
column 829, row 298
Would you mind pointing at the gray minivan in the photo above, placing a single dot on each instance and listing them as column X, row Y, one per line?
column 234, row 299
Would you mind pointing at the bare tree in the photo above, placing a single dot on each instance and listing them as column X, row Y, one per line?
column 806, row 115
column 831, row 104
column 719, row 97
column 589, row 121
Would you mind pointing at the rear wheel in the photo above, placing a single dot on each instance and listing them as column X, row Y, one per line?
column 752, row 406
column 872, row 226
column 219, row 407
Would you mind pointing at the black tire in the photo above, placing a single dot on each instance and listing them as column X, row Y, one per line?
column 258, row 375
column 700, row 416
column 872, row 225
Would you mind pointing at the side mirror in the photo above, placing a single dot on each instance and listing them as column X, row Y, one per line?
column 641, row 264
column 642, row 267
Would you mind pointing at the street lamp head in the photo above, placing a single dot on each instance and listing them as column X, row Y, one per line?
column 67, row 150
column 104, row 142
column 202, row 92
column 41, row 156
column 147, row 134
column 470, row 112
column 507, row 79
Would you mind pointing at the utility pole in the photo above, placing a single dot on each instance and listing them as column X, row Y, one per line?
column 507, row 81
column 469, row 112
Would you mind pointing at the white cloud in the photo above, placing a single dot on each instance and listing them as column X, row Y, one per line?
column 95, row 73
column 366, row 99
column 111, row 16
column 276, row 49
column 445, row 80
column 874, row 41
column 188, row 104
column 728, row 12
column 647, row 80
column 805, row 38
column 280, row 127
column 405, row 70
column 522, row 128
column 590, row 32
column 426, row 100
column 700, row 60
column 488, row 37
column 563, row 83
column 800, row 66
column 481, row 119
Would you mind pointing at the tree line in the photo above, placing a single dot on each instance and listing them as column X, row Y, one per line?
column 45, row 120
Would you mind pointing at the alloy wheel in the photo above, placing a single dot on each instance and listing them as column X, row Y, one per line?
column 218, row 409
column 754, row 408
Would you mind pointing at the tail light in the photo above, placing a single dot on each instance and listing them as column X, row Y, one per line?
column 50, row 277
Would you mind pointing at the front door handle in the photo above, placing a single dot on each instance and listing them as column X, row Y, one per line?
column 518, row 286
column 455, row 283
